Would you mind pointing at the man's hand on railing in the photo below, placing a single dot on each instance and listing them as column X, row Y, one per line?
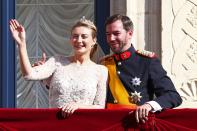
column 142, row 112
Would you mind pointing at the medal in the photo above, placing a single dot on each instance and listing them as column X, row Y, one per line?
column 136, row 81
column 135, row 97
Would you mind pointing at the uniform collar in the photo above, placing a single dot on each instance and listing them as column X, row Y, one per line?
column 124, row 55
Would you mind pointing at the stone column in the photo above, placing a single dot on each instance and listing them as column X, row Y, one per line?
column 117, row 7
column 147, row 24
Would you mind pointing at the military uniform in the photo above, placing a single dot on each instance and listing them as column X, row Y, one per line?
column 136, row 77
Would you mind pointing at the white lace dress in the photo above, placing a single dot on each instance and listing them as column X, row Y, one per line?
column 71, row 82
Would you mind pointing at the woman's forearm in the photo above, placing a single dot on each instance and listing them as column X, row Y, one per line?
column 24, row 60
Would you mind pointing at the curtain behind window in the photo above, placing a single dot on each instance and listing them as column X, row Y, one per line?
column 47, row 24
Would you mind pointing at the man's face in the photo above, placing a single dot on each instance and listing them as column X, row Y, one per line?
column 117, row 37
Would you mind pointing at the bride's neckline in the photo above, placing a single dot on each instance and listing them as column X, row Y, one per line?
column 75, row 61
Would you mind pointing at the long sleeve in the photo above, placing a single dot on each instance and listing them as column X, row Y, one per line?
column 100, row 97
column 43, row 71
column 166, row 94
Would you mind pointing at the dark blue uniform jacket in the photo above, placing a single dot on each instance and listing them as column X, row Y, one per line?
column 155, row 84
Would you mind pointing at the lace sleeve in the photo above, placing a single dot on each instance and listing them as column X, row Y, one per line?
column 100, row 97
column 43, row 71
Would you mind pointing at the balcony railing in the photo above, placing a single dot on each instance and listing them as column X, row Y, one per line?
column 95, row 120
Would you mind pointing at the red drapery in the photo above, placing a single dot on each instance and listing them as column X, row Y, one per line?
column 95, row 120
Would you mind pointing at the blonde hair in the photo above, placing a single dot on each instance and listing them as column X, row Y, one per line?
column 89, row 24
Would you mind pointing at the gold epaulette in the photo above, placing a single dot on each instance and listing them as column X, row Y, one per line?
column 106, row 59
column 146, row 53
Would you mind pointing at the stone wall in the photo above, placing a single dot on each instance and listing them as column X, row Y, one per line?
column 179, row 46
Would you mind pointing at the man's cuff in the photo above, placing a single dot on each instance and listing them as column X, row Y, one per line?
column 155, row 106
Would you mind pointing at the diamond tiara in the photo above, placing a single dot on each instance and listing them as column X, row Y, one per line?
column 88, row 22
